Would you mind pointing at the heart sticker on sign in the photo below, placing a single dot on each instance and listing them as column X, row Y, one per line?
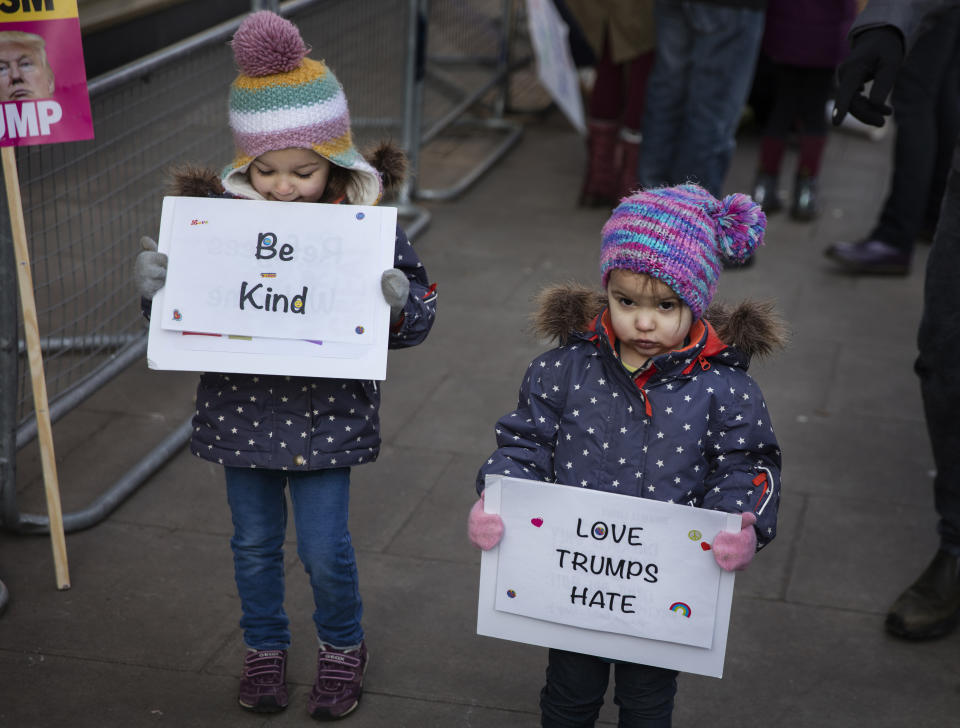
column 537, row 522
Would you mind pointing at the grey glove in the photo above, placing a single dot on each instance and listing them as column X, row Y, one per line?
column 396, row 290
column 150, row 269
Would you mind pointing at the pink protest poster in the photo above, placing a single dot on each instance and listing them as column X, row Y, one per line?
column 43, row 84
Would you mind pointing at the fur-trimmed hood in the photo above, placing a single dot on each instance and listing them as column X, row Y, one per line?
column 187, row 180
column 752, row 327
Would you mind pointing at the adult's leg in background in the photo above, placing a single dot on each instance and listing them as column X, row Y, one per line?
column 601, row 179
column 666, row 94
column 916, row 97
column 725, row 46
column 814, row 91
column 939, row 362
column 948, row 127
column 930, row 607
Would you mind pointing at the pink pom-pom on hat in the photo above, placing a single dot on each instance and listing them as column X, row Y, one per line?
column 265, row 44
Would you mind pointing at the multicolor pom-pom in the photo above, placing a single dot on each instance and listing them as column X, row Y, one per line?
column 265, row 44
column 740, row 226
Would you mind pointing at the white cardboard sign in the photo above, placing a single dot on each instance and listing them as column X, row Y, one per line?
column 555, row 67
column 273, row 288
column 606, row 574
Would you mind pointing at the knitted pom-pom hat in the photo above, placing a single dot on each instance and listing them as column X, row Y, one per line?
column 681, row 236
column 283, row 99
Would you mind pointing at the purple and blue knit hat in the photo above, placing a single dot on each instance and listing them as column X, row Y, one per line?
column 283, row 99
column 681, row 236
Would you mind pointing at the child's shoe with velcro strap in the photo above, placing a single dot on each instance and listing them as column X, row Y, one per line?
column 339, row 683
column 263, row 687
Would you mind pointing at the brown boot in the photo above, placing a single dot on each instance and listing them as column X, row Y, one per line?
column 625, row 159
column 600, row 181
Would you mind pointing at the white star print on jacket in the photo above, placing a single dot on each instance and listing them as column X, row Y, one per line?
column 692, row 429
column 301, row 423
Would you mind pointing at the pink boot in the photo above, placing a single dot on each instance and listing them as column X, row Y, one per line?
column 625, row 158
column 600, row 181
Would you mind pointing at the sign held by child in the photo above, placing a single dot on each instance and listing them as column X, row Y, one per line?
column 605, row 574
column 297, row 282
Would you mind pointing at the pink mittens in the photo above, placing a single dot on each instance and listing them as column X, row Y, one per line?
column 484, row 529
column 734, row 551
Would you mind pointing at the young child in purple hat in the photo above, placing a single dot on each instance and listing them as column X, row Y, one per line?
column 292, row 134
column 648, row 395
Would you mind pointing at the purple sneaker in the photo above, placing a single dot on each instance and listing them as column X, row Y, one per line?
column 339, row 684
column 263, row 687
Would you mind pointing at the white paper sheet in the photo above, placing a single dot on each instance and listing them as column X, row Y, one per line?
column 338, row 252
column 672, row 612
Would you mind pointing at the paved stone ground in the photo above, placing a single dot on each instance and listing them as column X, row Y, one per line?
column 147, row 635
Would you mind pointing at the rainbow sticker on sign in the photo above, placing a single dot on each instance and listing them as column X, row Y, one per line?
column 680, row 608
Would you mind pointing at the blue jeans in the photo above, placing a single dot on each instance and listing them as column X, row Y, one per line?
column 705, row 59
column 576, row 684
column 320, row 501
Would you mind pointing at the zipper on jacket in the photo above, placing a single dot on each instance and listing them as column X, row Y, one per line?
column 701, row 360
column 646, row 401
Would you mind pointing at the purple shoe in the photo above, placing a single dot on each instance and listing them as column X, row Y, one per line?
column 339, row 683
column 870, row 257
column 263, row 687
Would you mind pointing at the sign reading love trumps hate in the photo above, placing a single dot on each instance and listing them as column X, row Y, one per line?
column 606, row 574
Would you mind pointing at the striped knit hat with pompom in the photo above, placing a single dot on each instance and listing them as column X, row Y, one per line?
column 283, row 99
column 681, row 236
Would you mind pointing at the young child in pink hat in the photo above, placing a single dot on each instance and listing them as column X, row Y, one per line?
column 291, row 128
column 648, row 395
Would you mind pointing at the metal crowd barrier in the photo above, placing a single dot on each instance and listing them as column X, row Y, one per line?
column 464, row 81
column 86, row 204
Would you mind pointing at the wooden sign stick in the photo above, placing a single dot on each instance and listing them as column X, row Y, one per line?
column 35, row 358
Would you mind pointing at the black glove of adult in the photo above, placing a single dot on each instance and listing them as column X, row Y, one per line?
column 875, row 54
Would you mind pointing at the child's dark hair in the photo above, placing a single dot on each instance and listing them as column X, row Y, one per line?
column 389, row 161
column 340, row 183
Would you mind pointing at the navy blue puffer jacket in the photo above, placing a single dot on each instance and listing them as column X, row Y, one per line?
column 691, row 429
column 301, row 423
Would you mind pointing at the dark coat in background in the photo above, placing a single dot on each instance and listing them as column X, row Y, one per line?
column 808, row 33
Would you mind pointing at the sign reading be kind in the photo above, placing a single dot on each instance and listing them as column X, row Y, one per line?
column 606, row 574
column 273, row 288
column 279, row 269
